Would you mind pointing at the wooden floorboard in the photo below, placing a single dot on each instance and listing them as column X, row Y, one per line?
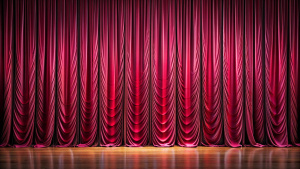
column 150, row 157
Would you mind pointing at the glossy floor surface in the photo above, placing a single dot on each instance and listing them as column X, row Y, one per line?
column 150, row 157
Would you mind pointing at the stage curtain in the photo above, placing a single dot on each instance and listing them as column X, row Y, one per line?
column 3, row 140
column 45, row 110
column 137, row 54
column 6, row 71
column 89, row 28
column 233, row 67
column 111, row 73
column 212, row 122
column 149, row 72
column 254, row 86
column 163, row 74
column 67, row 73
column 25, row 73
column 188, row 73
column 294, row 76
column 276, row 39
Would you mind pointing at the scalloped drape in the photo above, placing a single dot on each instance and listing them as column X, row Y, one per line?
column 160, row 72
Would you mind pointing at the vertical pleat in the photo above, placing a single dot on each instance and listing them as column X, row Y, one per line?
column 211, row 72
column 259, row 86
column 233, row 29
column 294, row 76
column 25, row 64
column 45, row 111
column 276, row 33
column 67, row 73
column 254, row 117
column 163, row 74
column 111, row 88
column 6, row 70
column 89, row 21
column 188, row 73
column 137, row 54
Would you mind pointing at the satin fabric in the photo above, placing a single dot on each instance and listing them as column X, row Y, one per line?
column 233, row 67
column 276, row 31
column 89, row 67
column 254, row 73
column 163, row 81
column 67, row 73
column 6, row 71
column 188, row 73
column 111, row 73
column 137, row 55
column 45, row 111
column 212, row 121
column 136, row 73
column 294, row 90
column 25, row 72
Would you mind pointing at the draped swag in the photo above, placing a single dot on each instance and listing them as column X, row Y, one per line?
column 162, row 73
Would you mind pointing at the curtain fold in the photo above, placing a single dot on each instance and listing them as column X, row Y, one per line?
column 259, row 75
column 233, row 15
column 137, row 54
column 6, row 71
column 163, row 74
column 188, row 73
column 294, row 90
column 2, row 115
column 67, row 73
column 25, row 73
column 45, row 111
column 254, row 108
column 212, row 122
column 111, row 75
column 276, row 27
column 89, row 28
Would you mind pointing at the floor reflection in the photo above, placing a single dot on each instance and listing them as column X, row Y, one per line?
column 149, row 157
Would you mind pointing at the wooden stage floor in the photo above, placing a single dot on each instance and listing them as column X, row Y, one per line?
column 150, row 157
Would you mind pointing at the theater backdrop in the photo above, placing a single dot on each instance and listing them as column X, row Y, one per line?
column 149, row 72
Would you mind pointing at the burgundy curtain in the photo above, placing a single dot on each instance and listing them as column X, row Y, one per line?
column 111, row 74
column 188, row 73
column 294, row 76
column 25, row 73
column 233, row 67
column 254, row 82
column 6, row 71
column 163, row 81
column 276, row 33
column 45, row 111
column 89, row 28
column 138, row 72
column 212, row 122
column 137, row 54
column 67, row 73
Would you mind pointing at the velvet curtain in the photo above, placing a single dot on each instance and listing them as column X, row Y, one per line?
column 294, row 61
column 67, row 73
column 163, row 81
column 45, row 111
column 111, row 74
column 136, row 73
column 188, row 72
column 211, row 28
column 6, row 71
column 137, row 55
column 25, row 73
column 254, row 74
column 89, row 54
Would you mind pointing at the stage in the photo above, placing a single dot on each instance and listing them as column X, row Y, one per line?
column 150, row 157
